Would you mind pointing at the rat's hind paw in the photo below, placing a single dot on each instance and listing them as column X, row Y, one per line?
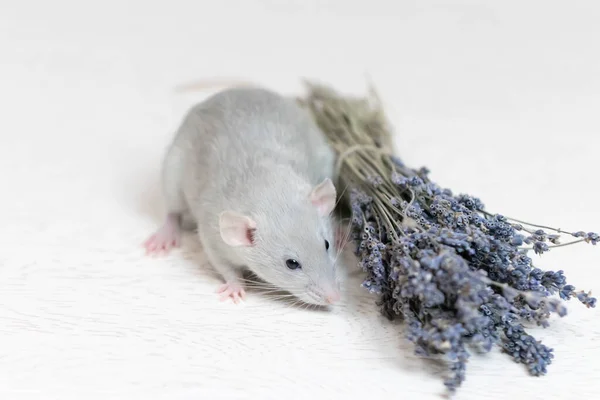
column 232, row 290
column 162, row 241
column 165, row 238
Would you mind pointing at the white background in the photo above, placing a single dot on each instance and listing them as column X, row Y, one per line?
column 500, row 99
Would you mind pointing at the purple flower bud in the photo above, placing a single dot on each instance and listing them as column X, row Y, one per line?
column 592, row 238
column 540, row 247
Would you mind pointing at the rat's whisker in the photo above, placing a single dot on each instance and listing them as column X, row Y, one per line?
column 260, row 285
column 265, row 290
column 276, row 295
column 292, row 304
column 341, row 196
column 345, row 241
column 263, row 287
column 254, row 281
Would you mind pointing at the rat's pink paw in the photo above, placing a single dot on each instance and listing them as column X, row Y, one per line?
column 232, row 290
column 163, row 240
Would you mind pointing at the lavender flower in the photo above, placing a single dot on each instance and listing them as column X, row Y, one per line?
column 433, row 275
column 436, row 276
column 540, row 247
column 592, row 238
column 461, row 278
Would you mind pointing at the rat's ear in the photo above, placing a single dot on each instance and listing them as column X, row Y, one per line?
column 236, row 229
column 323, row 197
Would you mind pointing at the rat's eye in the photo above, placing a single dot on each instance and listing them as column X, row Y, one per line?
column 326, row 245
column 293, row 264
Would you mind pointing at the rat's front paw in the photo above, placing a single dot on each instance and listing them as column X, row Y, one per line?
column 232, row 290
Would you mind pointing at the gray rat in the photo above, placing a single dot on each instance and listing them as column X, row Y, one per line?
column 254, row 172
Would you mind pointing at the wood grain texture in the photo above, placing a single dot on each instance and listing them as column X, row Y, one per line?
column 489, row 96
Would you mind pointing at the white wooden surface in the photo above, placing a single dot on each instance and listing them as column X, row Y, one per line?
column 499, row 99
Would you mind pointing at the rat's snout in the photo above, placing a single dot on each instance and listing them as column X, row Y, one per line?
column 331, row 290
column 324, row 294
column 332, row 296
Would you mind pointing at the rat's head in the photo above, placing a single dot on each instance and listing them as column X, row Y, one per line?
column 290, row 243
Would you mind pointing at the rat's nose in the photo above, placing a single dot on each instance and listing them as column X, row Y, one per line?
column 332, row 297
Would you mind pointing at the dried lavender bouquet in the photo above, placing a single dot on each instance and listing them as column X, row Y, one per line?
column 458, row 275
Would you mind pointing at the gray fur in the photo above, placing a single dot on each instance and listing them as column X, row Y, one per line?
column 255, row 152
